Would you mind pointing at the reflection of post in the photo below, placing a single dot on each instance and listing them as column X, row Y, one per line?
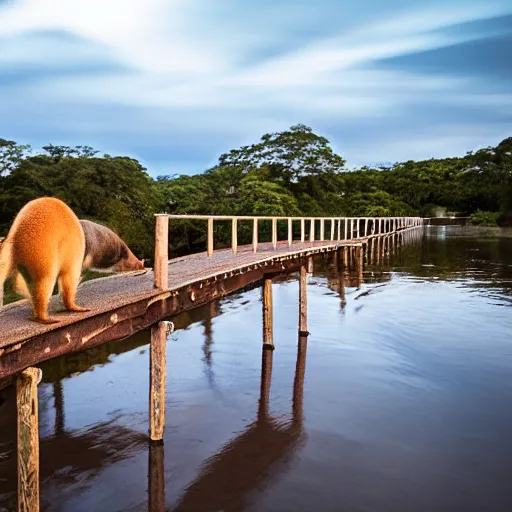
column 303, row 302
column 28, row 440
column 298, row 383
column 59, row 407
column 266, row 379
column 268, row 338
column 156, row 477
column 157, row 362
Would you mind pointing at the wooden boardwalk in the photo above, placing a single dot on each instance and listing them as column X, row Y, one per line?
column 125, row 303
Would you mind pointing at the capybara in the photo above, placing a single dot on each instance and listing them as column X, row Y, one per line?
column 105, row 249
column 45, row 244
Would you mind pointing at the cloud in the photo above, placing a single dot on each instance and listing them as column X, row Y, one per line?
column 182, row 81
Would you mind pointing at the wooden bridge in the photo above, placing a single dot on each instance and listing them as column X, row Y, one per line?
column 125, row 303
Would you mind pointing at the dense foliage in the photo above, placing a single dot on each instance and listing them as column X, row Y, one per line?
column 294, row 172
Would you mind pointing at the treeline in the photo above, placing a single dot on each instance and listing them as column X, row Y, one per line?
column 294, row 172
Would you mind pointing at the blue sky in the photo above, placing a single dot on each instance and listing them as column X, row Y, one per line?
column 175, row 83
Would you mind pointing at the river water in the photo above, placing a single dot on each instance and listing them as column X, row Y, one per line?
column 400, row 400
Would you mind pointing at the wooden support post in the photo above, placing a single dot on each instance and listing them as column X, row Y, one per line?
column 290, row 232
column 302, row 230
column 322, row 229
column 255, row 235
column 303, row 302
column 341, row 286
column 274, row 232
column 210, row 237
column 161, row 264
column 310, row 264
column 312, row 231
column 156, row 477
column 268, row 323
column 234, row 236
column 157, row 376
column 360, row 262
column 332, row 229
column 345, row 257
column 28, row 439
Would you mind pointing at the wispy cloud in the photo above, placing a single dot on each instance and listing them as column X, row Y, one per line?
column 207, row 76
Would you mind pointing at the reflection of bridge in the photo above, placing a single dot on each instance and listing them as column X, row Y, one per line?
column 125, row 304
column 245, row 464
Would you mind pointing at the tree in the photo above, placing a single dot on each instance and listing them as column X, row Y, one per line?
column 287, row 155
column 11, row 155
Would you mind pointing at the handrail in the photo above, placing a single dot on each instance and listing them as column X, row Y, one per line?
column 351, row 226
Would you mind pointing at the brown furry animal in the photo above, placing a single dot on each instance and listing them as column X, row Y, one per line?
column 105, row 249
column 45, row 244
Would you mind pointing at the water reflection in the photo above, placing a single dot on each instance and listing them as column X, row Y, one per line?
column 247, row 463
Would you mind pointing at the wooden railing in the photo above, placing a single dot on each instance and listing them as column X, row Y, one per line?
column 344, row 228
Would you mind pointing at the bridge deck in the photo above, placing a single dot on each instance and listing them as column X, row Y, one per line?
column 122, row 298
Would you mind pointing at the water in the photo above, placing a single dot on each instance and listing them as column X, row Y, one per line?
column 401, row 402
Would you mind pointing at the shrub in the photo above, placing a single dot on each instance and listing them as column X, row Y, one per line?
column 482, row 218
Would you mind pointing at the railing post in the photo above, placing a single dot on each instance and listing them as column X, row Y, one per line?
column 28, row 439
column 322, row 229
column 345, row 227
column 312, row 230
column 274, row 232
column 234, row 235
column 161, row 264
column 332, row 229
column 365, row 226
column 255, row 235
column 302, row 229
column 339, row 229
column 210, row 237
column 290, row 232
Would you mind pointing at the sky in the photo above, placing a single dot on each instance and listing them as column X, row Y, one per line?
column 176, row 83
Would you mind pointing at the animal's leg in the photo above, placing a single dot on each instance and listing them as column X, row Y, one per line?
column 68, row 283
column 5, row 269
column 20, row 285
column 42, row 292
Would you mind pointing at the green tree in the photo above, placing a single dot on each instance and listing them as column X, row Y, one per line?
column 288, row 155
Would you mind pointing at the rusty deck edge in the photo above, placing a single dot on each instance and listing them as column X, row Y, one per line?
column 124, row 320
column 152, row 293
